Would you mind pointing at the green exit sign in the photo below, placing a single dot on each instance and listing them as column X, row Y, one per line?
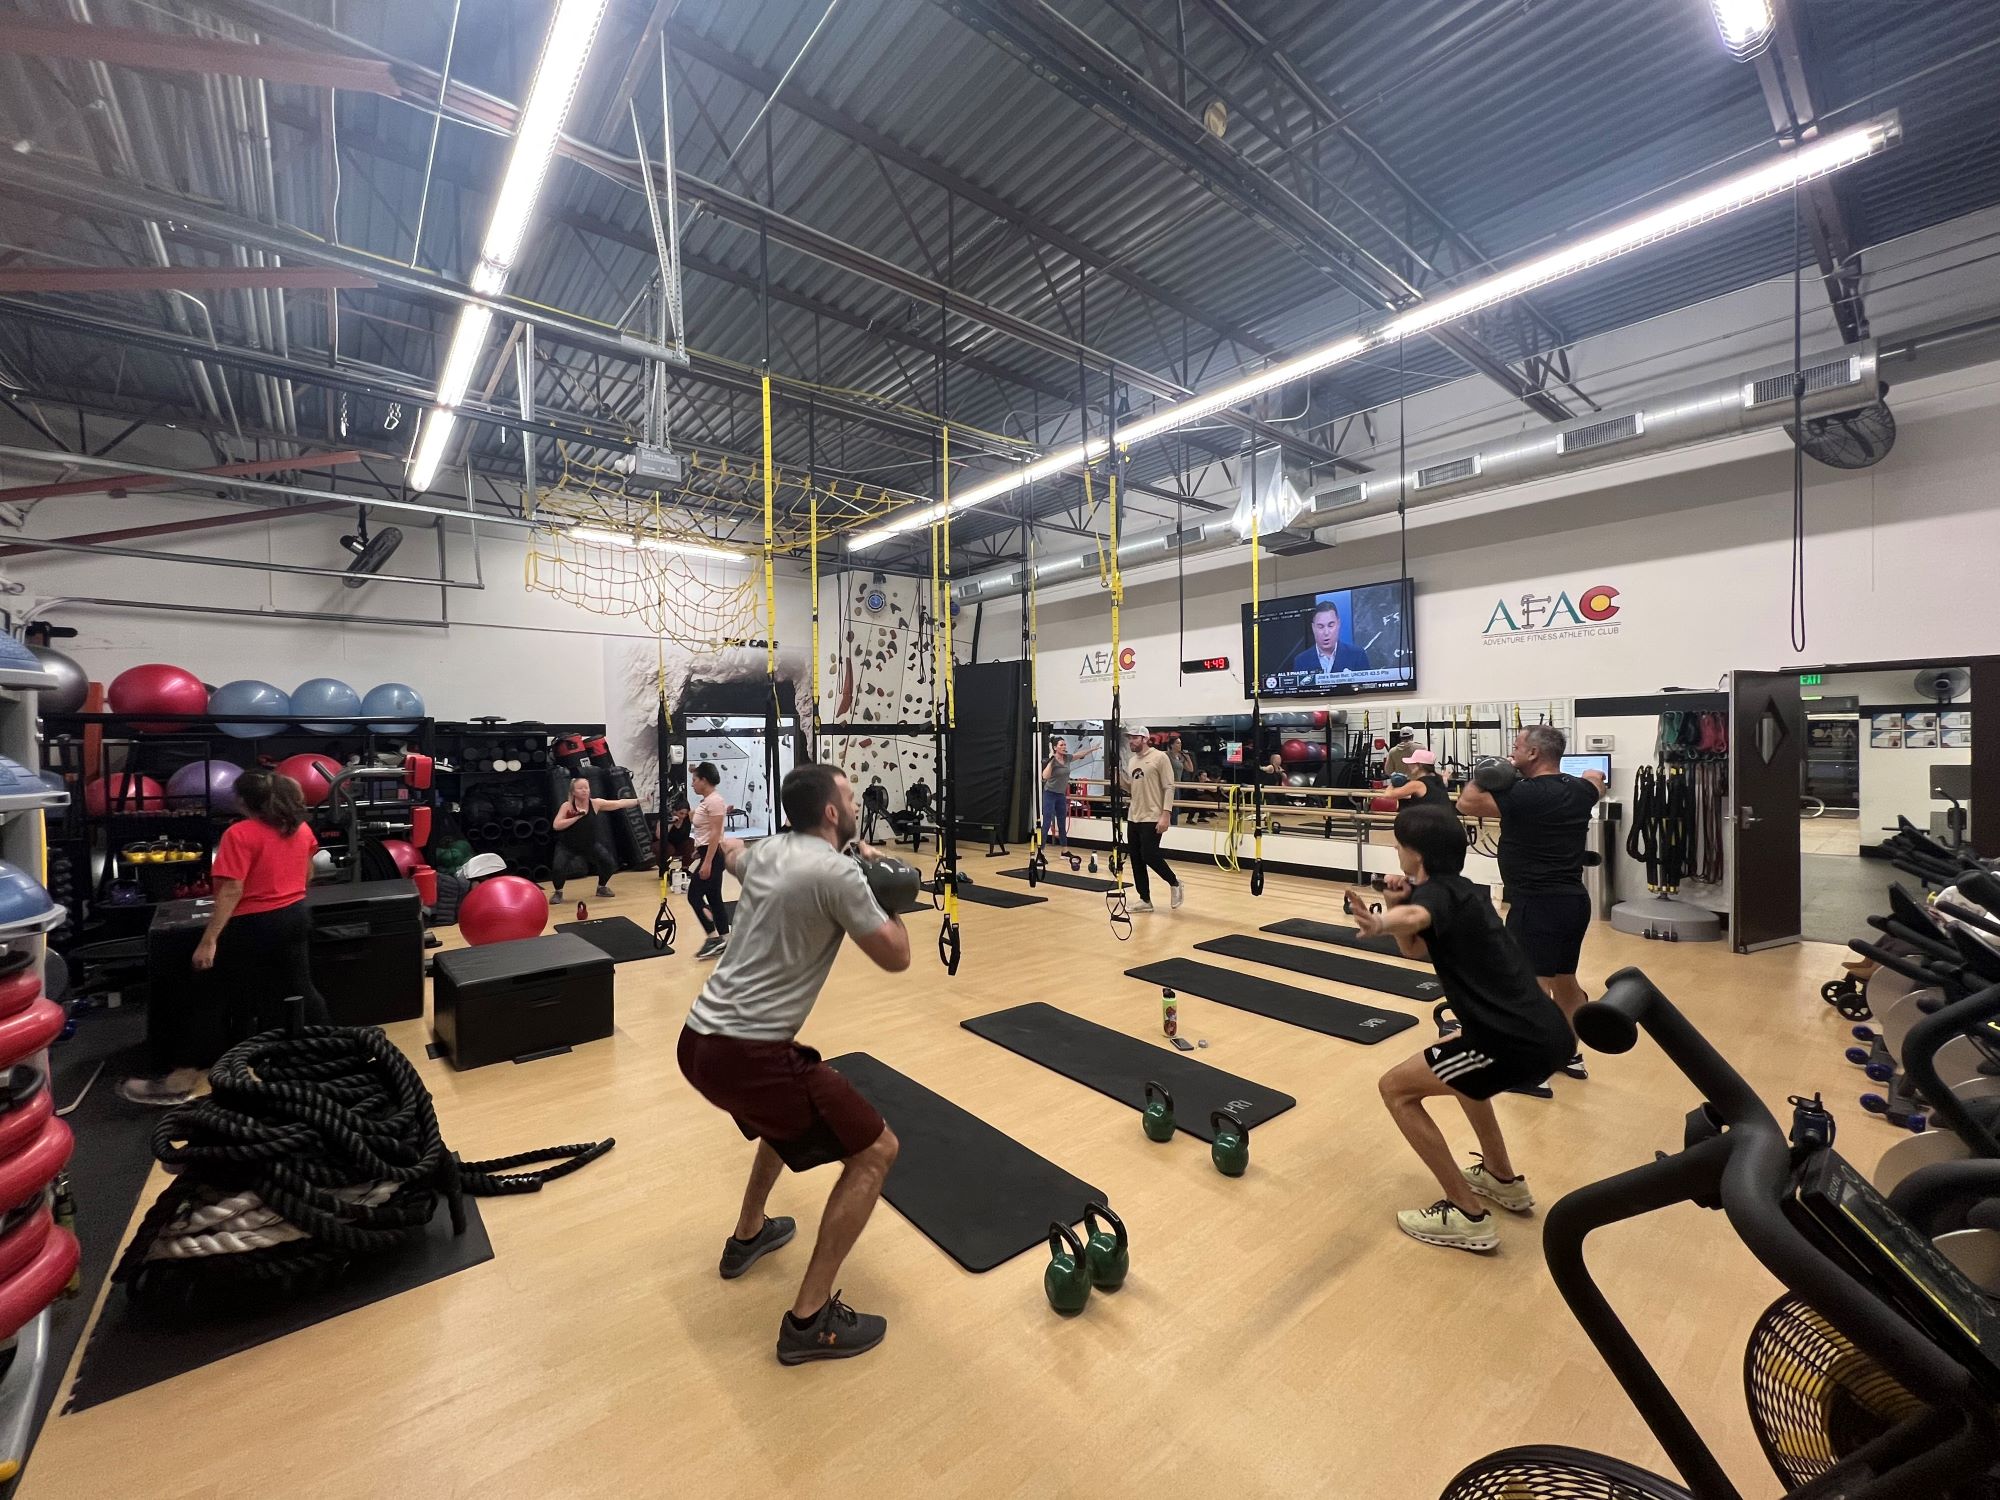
column 1811, row 679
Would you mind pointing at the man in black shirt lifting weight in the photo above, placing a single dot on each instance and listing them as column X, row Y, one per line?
column 1544, row 818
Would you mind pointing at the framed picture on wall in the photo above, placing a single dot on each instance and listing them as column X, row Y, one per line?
column 1956, row 739
column 1885, row 732
column 1920, row 721
column 1957, row 719
column 1920, row 739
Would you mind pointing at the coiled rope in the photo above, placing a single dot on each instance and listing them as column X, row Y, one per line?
column 313, row 1152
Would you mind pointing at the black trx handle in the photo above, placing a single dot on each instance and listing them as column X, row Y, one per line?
column 1038, row 865
column 938, row 877
column 665, row 928
column 1120, row 914
column 949, row 946
column 1257, row 878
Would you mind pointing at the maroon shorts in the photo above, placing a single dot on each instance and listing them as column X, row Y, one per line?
column 782, row 1093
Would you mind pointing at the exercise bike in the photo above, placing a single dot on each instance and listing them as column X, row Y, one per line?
column 1873, row 1377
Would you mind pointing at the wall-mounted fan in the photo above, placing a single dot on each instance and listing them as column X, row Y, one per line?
column 370, row 553
column 1854, row 439
column 1942, row 684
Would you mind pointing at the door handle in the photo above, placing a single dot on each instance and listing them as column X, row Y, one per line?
column 1745, row 820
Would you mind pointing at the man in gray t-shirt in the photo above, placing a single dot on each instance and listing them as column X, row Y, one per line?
column 800, row 894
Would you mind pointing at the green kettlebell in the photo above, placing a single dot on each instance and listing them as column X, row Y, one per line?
column 1158, row 1115
column 1067, row 1280
column 1231, row 1149
column 1105, row 1252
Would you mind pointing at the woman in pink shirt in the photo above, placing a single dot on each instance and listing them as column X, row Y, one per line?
column 710, row 813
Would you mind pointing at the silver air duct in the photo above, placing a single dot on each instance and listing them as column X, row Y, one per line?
column 1837, row 380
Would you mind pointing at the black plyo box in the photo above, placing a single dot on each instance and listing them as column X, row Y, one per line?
column 368, row 950
column 512, row 1000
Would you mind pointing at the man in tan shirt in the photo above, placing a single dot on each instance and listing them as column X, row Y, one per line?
column 1149, row 810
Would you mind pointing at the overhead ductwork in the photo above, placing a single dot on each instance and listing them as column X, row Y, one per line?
column 1837, row 380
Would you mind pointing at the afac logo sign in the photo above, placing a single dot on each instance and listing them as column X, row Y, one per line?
column 1097, row 664
column 1553, row 616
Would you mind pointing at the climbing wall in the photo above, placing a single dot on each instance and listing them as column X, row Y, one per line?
column 878, row 669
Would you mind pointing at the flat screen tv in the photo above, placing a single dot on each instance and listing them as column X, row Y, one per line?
column 1333, row 642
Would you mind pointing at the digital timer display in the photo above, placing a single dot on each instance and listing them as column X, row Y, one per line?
column 1205, row 664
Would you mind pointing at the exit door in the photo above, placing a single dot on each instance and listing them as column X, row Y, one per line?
column 1766, row 752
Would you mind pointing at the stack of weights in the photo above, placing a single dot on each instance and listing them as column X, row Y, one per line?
column 37, row 1256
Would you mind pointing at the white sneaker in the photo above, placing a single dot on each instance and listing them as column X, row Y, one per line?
column 1512, row 1196
column 1443, row 1223
column 1142, row 906
column 1180, row 895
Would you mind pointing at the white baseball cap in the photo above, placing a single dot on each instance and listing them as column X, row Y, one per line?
column 1137, row 732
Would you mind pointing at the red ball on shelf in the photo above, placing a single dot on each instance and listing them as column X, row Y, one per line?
column 1320, row 717
column 313, row 773
column 157, row 688
column 128, row 792
column 1294, row 749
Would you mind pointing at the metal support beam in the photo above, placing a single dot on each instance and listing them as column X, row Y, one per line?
column 179, row 52
column 1097, row 78
column 181, row 278
column 176, row 528
column 120, row 484
column 1787, row 85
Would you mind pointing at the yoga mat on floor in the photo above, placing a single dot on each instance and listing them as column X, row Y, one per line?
column 1063, row 877
column 133, row 1347
column 623, row 939
column 1327, row 1014
column 1333, row 932
column 1119, row 1065
column 978, row 1195
column 986, row 895
column 1390, row 980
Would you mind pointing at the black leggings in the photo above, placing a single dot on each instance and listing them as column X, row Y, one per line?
column 570, row 863
column 260, row 961
column 705, row 896
column 1143, row 840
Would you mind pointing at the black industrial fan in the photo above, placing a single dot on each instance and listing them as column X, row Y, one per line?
column 1940, row 685
column 1856, row 439
column 370, row 553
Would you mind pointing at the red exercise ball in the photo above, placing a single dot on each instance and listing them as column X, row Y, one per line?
column 313, row 773
column 1295, row 749
column 1319, row 718
column 404, row 853
column 129, row 793
column 502, row 909
column 157, row 688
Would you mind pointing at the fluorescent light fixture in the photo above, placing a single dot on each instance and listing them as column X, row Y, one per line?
column 565, row 49
column 608, row 538
column 1746, row 26
column 1801, row 164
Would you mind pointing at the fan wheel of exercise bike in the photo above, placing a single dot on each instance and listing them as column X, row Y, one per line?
column 1547, row 1472
column 1814, row 1398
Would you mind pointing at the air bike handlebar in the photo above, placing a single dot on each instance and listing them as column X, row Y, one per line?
column 1737, row 1159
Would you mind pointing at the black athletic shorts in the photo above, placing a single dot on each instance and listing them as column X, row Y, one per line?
column 1480, row 1072
column 1550, row 929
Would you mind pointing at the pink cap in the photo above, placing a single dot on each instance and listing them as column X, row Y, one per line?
column 1421, row 758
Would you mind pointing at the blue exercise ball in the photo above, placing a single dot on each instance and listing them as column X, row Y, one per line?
column 247, row 695
column 325, row 695
column 393, row 698
column 22, row 897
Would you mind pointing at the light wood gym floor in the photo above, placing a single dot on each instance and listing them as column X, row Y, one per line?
column 1277, row 1335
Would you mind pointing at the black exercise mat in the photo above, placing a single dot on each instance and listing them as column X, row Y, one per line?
column 1390, row 980
column 977, row 1194
column 986, row 895
column 1119, row 1065
column 623, row 939
column 1063, row 877
column 1333, row 932
column 1327, row 1014
column 132, row 1348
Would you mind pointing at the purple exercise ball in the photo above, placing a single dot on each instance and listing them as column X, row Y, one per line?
column 214, row 779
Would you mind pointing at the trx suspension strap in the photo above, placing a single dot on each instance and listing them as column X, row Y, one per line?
column 1256, row 686
column 770, row 622
column 665, row 928
column 1038, row 862
column 946, row 880
column 1116, row 906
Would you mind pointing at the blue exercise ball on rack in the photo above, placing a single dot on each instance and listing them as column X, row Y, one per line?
column 394, row 698
column 247, row 695
column 22, row 898
column 325, row 695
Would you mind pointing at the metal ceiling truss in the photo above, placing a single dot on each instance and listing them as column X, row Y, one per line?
column 1097, row 78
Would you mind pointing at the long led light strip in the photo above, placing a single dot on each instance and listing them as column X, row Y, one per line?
column 564, row 51
column 1803, row 164
column 606, row 538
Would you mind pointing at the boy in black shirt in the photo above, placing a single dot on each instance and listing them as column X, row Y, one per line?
column 1511, row 1032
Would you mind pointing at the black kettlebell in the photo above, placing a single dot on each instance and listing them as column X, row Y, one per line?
column 1158, row 1116
column 1067, row 1280
column 1231, row 1148
column 1105, row 1252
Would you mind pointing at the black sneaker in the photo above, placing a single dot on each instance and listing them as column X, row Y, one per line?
column 1534, row 1091
column 1574, row 1068
column 739, row 1256
column 836, row 1331
column 604, row 890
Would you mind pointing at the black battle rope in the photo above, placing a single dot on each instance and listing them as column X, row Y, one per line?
column 331, row 1131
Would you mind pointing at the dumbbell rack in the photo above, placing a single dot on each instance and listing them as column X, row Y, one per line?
column 24, row 843
column 470, row 748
